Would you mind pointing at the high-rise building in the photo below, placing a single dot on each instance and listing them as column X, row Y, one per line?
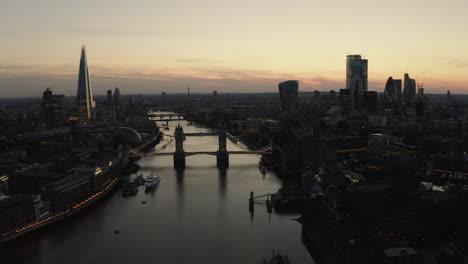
column 391, row 99
column 448, row 97
column 215, row 97
column 409, row 89
column 109, row 97
column 53, row 108
column 84, row 98
column 288, row 91
column 117, row 96
column 420, row 92
column 398, row 87
column 356, row 79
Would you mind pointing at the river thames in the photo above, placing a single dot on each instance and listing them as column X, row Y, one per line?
column 198, row 216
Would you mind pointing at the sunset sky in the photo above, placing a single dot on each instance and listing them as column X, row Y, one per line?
column 149, row 46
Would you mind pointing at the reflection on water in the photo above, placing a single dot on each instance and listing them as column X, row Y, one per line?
column 196, row 215
column 222, row 182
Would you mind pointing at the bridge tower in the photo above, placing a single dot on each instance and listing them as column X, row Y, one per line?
column 222, row 157
column 179, row 154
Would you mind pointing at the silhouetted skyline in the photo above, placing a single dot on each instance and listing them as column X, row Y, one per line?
column 156, row 46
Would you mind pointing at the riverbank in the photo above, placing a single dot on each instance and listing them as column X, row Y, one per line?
column 78, row 207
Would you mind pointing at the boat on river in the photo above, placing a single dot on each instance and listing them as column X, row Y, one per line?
column 152, row 180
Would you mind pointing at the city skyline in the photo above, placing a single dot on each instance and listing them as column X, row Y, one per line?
column 154, row 46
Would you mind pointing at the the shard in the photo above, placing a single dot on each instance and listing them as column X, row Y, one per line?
column 84, row 98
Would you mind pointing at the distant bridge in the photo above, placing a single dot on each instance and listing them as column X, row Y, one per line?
column 166, row 117
column 169, row 115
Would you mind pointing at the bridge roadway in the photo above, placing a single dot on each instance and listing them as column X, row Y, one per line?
column 213, row 153
column 200, row 134
column 167, row 120
column 165, row 115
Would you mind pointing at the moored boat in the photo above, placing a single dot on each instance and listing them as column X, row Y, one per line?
column 152, row 180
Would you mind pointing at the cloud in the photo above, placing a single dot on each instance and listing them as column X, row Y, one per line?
column 456, row 62
column 18, row 80
column 8, row 67
column 81, row 30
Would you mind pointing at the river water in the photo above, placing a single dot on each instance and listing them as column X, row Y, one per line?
column 198, row 216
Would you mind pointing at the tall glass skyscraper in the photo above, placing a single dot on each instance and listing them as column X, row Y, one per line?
column 356, row 79
column 392, row 96
column 117, row 96
column 84, row 98
column 288, row 91
column 409, row 89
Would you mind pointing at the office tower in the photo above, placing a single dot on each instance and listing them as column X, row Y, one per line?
column 390, row 99
column 53, row 108
column 398, row 86
column 356, row 79
column 84, row 98
column 420, row 92
column 370, row 101
column 117, row 96
column 448, row 97
column 215, row 97
column 109, row 97
column 288, row 91
column 409, row 89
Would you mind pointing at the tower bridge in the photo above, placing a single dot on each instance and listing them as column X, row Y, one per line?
column 222, row 154
column 166, row 117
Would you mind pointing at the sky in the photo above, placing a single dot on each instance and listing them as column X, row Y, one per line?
column 150, row 46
